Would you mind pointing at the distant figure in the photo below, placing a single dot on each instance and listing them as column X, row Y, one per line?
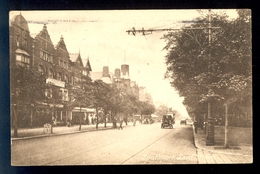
column 121, row 123
column 195, row 126
column 134, row 122
column 114, row 122
column 92, row 119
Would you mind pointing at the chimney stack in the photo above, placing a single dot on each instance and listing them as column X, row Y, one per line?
column 105, row 72
column 117, row 72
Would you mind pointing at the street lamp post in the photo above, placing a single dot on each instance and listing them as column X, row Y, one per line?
column 210, row 131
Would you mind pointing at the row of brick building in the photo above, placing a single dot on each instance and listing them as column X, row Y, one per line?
column 62, row 69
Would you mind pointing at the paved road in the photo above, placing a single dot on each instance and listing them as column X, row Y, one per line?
column 142, row 144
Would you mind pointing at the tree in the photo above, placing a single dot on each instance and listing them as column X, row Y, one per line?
column 146, row 108
column 215, row 71
column 117, row 103
column 81, row 95
column 130, row 104
column 161, row 110
column 27, row 87
column 102, row 95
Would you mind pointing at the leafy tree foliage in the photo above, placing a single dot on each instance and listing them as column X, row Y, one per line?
column 146, row 108
column 81, row 95
column 211, row 71
column 27, row 87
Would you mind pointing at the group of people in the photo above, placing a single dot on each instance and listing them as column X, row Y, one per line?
column 120, row 123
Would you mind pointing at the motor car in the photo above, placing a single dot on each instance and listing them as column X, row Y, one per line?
column 167, row 121
column 183, row 121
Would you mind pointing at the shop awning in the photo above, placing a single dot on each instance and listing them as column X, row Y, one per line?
column 56, row 105
column 77, row 109
column 154, row 116
column 49, row 105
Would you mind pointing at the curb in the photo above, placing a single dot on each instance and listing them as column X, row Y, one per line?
column 218, row 151
column 57, row 134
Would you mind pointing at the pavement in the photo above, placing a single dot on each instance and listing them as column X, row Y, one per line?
column 217, row 154
column 28, row 133
column 236, row 153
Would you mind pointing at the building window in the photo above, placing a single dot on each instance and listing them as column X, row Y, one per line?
column 43, row 55
column 84, row 72
column 17, row 39
column 66, row 79
column 48, row 93
column 51, row 74
column 60, row 93
column 25, row 42
column 65, row 65
column 22, row 60
column 50, row 58
column 41, row 69
column 63, row 94
column 72, row 80
column 59, row 76
column 60, row 63
column 18, row 58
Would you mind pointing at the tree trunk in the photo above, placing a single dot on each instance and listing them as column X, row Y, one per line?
column 52, row 120
column 31, row 116
column 114, row 120
column 15, row 121
column 80, row 118
column 105, row 117
column 226, row 126
column 126, row 119
column 97, row 117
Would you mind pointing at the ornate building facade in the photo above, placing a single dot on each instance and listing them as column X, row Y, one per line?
column 61, row 69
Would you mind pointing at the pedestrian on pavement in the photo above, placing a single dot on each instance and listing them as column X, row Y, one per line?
column 121, row 123
column 195, row 126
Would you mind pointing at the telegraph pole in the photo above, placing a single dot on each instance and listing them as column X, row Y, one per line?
column 210, row 141
column 210, row 128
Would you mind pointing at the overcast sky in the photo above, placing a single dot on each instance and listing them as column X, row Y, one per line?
column 102, row 36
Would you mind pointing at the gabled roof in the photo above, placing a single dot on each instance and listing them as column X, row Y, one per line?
column 88, row 66
column 61, row 44
column 106, row 80
column 73, row 57
column 96, row 75
column 44, row 31
column 76, row 57
column 99, row 76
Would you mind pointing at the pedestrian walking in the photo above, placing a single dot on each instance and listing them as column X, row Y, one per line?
column 121, row 123
column 195, row 126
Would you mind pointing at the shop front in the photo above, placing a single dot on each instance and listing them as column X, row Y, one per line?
column 84, row 113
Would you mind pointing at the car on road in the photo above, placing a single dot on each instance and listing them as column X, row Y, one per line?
column 167, row 121
column 183, row 121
